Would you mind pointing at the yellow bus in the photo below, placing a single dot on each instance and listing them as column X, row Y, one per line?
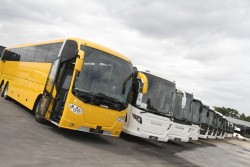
column 73, row 83
column 1, row 64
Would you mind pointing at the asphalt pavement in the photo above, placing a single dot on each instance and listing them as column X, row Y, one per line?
column 24, row 143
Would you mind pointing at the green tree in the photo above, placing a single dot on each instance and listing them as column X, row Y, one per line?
column 243, row 117
column 229, row 112
column 247, row 118
column 222, row 110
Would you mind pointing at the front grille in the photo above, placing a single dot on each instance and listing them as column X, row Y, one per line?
column 203, row 129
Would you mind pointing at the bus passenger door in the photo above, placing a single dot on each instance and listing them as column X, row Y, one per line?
column 49, row 88
column 53, row 99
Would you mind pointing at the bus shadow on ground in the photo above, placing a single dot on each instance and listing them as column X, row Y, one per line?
column 143, row 150
column 132, row 146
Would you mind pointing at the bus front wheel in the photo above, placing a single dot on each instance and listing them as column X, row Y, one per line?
column 38, row 117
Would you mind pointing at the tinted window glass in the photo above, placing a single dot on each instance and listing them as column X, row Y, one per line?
column 69, row 50
column 1, row 50
column 160, row 95
column 53, row 52
column 31, row 53
column 11, row 55
column 204, row 116
column 196, row 112
column 23, row 52
column 189, row 106
column 42, row 52
column 178, row 105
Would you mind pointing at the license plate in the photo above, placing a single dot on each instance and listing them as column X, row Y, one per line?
column 97, row 131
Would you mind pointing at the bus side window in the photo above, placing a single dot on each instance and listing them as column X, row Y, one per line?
column 31, row 54
column 42, row 52
column 11, row 55
column 53, row 52
column 23, row 53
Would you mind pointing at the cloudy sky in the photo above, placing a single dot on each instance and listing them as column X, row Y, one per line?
column 203, row 45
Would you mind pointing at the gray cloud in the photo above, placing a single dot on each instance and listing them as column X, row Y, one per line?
column 202, row 45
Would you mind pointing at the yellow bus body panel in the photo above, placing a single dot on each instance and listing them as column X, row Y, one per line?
column 91, row 117
column 26, row 80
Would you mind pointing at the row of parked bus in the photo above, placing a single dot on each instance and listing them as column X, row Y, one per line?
column 79, row 85
column 167, row 113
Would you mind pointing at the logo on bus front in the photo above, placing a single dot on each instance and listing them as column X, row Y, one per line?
column 75, row 109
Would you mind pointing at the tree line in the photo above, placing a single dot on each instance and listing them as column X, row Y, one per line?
column 230, row 112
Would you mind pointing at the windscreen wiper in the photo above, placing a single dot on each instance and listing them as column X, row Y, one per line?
column 110, row 99
column 155, row 112
column 144, row 110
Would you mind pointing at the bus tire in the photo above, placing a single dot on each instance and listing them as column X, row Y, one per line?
column 38, row 117
column 1, row 87
column 5, row 92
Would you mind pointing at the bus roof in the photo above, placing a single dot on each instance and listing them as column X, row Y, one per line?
column 152, row 72
column 79, row 41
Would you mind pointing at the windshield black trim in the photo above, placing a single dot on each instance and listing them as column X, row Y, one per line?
column 182, row 121
column 154, row 112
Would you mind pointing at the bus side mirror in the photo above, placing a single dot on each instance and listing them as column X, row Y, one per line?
column 79, row 60
column 144, row 81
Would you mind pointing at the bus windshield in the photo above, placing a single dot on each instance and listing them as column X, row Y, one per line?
column 219, row 121
column 196, row 112
column 210, row 118
column 189, row 106
column 160, row 95
column 204, row 119
column 215, row 120
column 183, row 113
column 102, row 78
column 178, row 105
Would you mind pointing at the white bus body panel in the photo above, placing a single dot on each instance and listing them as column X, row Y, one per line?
column 195, row 130
column 153, row 126
column 179, row 132
column 211, row 136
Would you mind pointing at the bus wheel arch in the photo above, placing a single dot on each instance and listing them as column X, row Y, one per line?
column 4, row 94
column 1, row 86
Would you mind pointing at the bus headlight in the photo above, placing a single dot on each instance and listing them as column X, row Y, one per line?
column 137, row 118
column 121, row 119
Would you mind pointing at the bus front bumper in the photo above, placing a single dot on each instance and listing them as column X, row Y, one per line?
column 148, row 135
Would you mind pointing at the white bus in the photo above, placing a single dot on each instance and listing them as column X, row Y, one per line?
column 204, row 122
column 195, row 128
column 181, row 125
column 211, row 123
column 223, row 126
column 150, row 114
column 220, row 127
column 231, row 129
column 217, row 124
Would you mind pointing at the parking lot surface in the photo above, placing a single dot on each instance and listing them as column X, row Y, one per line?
column 24, row 143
